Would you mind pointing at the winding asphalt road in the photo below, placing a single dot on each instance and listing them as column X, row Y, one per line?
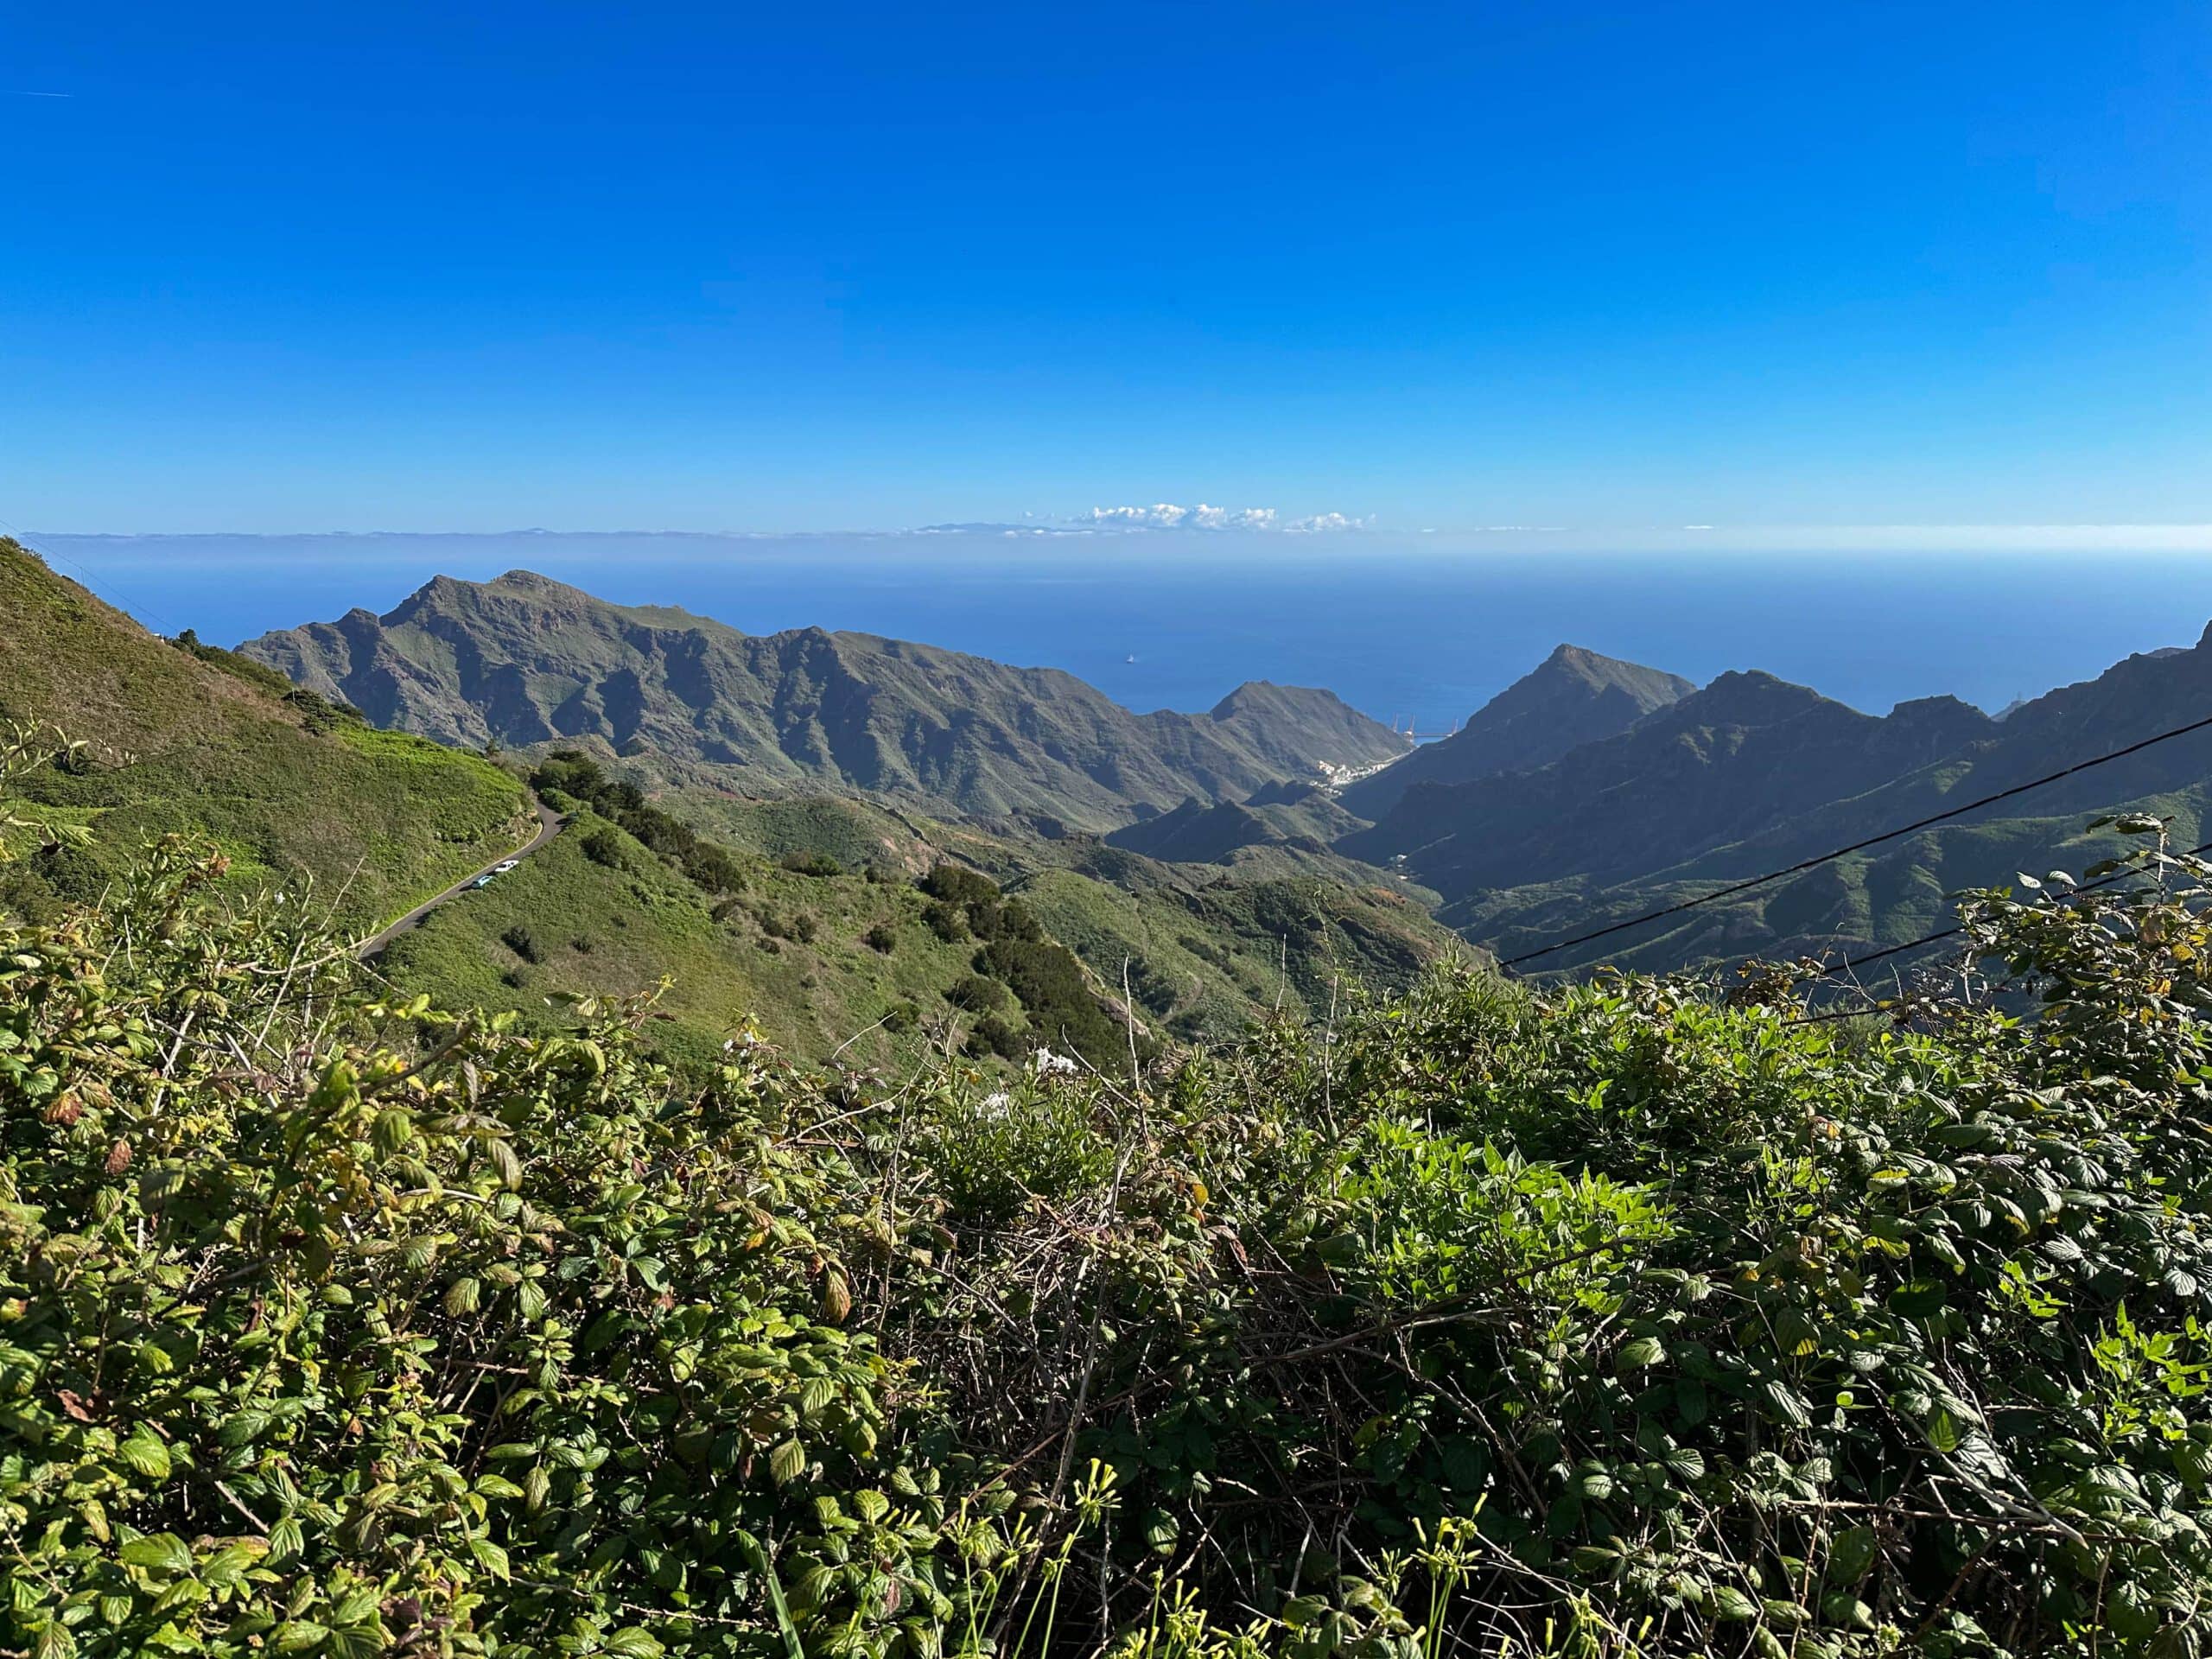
column 549, row 825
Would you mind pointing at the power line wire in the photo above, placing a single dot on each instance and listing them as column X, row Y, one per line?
column 1857, row 846
column 123, row 602
column 1851, row 962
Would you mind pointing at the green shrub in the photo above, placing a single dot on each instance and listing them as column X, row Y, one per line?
column 602, row 846
column 806, row 863
column 1057, row 998
column 956, row 884
column 991, row 1155
column 993, row 1034
column 573, row 775
column 977, row 993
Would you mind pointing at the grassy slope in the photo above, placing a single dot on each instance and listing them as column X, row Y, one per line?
column 625, row 930
column 1204, row 960
column 182, row 746
column 1884, row 896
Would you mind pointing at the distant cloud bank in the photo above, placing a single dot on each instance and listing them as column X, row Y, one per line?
column 1166, row 515
column 1230, row 531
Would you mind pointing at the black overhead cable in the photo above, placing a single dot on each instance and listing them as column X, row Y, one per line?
column 1850, row 963
column 1857, row 845
column 139, row 614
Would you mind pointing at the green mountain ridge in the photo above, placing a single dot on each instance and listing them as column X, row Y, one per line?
column 530, row 662
column 1721, row 765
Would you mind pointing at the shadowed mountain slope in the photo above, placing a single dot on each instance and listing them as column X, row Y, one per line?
column 528, row 661
column 1574, row 696
column 1731, row 761
column 1751, row 774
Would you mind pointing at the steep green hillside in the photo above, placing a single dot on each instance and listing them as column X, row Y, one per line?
column 204, row 743
column 1203, row 962
column 1884, row 896
column 818, row 930
column 528, row 661
column 790, row 957
column 1278, row 827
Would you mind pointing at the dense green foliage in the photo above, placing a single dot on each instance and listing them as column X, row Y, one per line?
column 1623, row 1318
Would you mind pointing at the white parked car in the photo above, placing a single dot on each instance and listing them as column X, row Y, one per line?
column 505, row 865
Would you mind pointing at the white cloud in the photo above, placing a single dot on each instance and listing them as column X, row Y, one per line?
column 1168, row 515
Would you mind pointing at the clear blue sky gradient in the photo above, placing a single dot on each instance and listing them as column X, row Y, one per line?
column 790, row 267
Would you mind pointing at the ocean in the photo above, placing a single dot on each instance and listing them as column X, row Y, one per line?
column 1418, row 636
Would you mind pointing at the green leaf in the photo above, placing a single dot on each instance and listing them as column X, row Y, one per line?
column 145, row 1452
column 1690, row 1400
column 1917, row 1300
column 162, row 1552
column 1729, row 1603
column 489, row 1556
column 394, row 1129
column 1943, row 1430
column 1640, row 1354
column 786, row 1463
column 286, row 1540
column 242, row 1428
column 1783, row 1402
column 1850, row 1554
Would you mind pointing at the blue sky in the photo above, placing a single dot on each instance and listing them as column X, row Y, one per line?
column 805, row 267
